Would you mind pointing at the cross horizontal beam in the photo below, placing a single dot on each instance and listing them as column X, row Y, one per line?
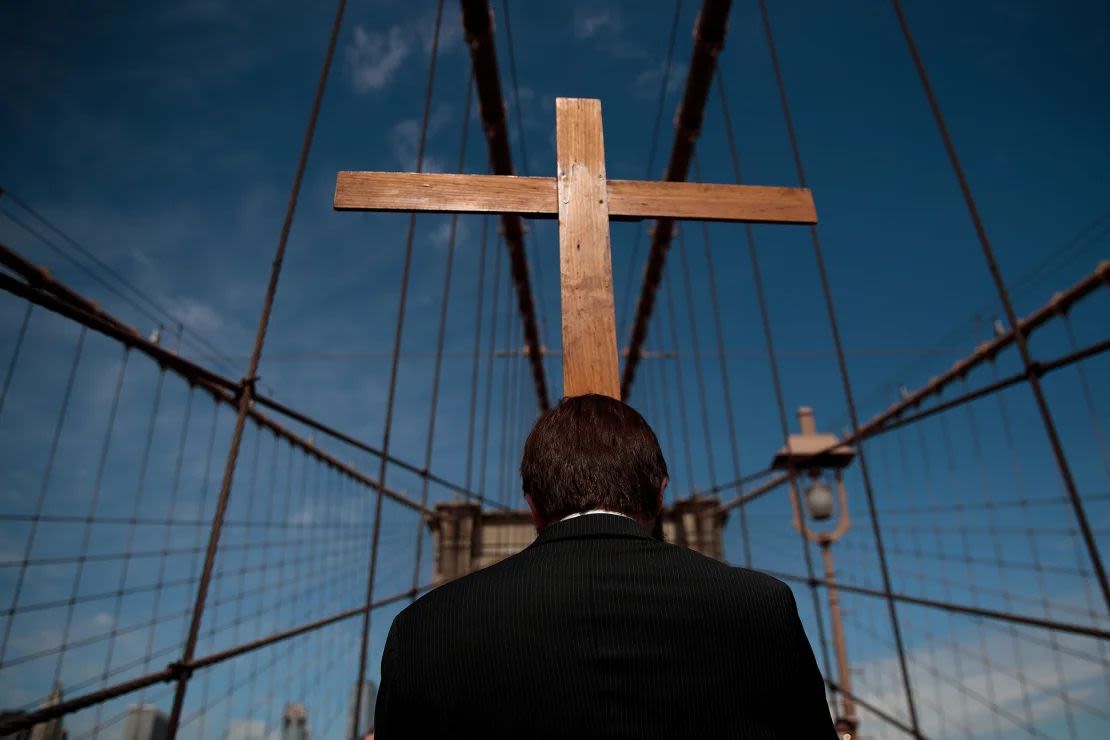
column 538, row 197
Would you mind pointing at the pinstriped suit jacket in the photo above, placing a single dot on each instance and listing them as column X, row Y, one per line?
column 598, row 630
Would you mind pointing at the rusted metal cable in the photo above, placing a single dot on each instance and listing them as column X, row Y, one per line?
column 441, row 335
column 680, row 389
column 975, row 611
column 247, row 390
column 772, row 358
column 193, row 373
column 493, row 318
column 391, row 396
column 699, row 376
column 14, row 723
column 726, row 389
column 842, row 364
column 217, row 386
column 537, row 262
column 890, row 418
column 477, row 19
column 1089, row 400
column 19, row 337
column 40, row 501
column 1007, row 306
column 664, row 82
column 709, row 39
column 475, row 360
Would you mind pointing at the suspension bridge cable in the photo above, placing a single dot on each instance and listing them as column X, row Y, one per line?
column 680, row 385
column 391, row 395
column 726, row 388
column 44, row 485
column 842, row 364
column 1007, row 306
column 247, row 392
column 1035, row 554
column 699, row 377
column 493, row 317
column 537, row 262
column 441, row 335
column 772, row 361
column 663, row 84
column 16, row 350
column 472, row 415
column 153, row 310
column 1089, row 400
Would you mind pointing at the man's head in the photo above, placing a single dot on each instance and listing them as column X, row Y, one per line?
column 592, row 452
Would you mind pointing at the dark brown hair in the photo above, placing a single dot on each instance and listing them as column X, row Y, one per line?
column 593, row 452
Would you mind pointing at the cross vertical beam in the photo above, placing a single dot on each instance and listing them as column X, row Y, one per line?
column 585, row 263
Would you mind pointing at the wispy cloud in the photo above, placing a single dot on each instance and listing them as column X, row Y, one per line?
column 605, row 30
column 588, row 22
column 374, row 58
column 404, row 140
column 648, row 81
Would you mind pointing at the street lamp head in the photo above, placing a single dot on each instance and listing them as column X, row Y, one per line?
column 819, row 500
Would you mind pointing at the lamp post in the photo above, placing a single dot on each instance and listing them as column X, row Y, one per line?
column 816, row 456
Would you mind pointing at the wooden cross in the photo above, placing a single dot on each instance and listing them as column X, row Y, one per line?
column 584, row 202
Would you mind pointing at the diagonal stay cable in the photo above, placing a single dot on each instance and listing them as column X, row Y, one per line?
column 1007, row 306
column 247, row 390
column 843, row 367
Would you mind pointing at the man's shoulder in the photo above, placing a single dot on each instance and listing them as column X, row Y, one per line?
column 460, row 593
column 519, row 571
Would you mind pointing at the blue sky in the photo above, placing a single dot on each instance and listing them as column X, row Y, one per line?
column 163, row 138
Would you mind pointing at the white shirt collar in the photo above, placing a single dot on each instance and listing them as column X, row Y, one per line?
column 594, row 511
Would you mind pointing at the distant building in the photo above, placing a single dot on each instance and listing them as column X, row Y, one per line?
column 246, row 729
column 51, row 729
column 145, row 722
column 294, row 722
column 369, row 699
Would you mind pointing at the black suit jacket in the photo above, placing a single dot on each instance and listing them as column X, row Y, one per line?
column 599, row 630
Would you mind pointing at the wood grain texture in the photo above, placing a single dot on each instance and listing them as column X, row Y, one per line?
column 445, row 193
column 538, row 197
column 697, row 201
column 585, row 262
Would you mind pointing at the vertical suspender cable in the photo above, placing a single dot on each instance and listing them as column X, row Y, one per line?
column 698, row 375
column 375, row 537
column 441, row 335
column 896, row 628
column 773, row 364
column 726, row 389
column 476, row 358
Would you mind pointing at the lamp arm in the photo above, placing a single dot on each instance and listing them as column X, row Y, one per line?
column 845, row 519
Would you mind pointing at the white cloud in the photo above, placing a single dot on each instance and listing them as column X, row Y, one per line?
column 441, row 234
column 998, row 680
column 404, row 139
column 374, row 58
column 590, row 22
column 647, row 82
column 197, row 316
